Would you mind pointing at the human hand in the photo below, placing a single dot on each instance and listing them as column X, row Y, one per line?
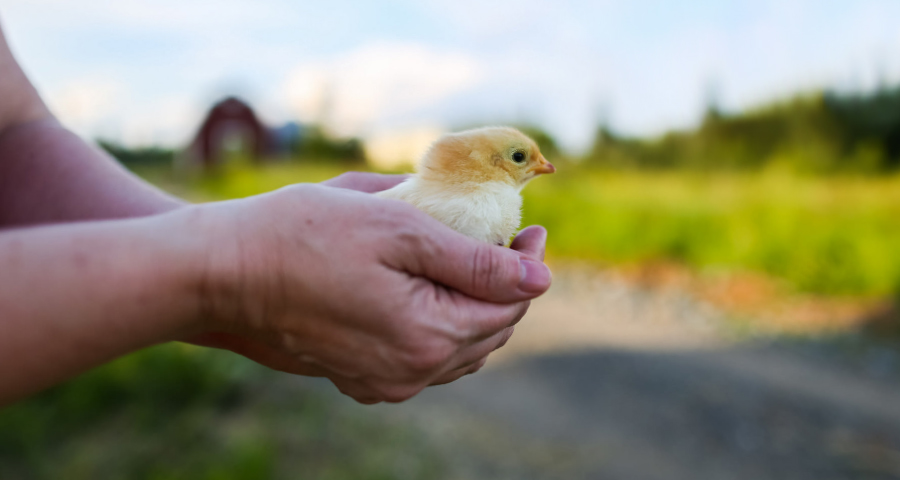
column 373, row 294
column 365, row 181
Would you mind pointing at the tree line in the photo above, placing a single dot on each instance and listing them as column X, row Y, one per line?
column 820, row 132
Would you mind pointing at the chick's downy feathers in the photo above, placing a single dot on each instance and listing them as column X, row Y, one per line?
column 472, row 181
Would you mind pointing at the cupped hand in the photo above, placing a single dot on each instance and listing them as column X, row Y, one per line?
column 373, row 294
column 365, row 181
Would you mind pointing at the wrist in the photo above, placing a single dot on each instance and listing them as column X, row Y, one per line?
column 204, row 271
column 179, row 268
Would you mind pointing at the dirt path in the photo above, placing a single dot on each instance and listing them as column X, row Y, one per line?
column 604, row 380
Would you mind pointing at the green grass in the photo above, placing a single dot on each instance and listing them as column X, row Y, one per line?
column 181, row 412
column 831, row 235
column 177, row 411
column 239, row 180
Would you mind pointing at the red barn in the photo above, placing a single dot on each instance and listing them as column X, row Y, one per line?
column 230, row 125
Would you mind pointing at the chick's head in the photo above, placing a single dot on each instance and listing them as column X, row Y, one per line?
column 490, row 154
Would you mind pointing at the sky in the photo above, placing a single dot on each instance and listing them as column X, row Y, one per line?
column 144, row 72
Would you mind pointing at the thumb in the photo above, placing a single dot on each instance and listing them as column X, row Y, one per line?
column 478, row 269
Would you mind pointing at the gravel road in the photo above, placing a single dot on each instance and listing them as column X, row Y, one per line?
column 609, row 381
column 606, row 380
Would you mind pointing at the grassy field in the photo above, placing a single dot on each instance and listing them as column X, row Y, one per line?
column 829, row 235
column 177, row 411
column 180, row 412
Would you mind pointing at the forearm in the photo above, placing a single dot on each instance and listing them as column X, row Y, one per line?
column 75, row 296
column 19, row 101
column 48, row 175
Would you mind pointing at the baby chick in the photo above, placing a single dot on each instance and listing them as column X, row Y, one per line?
column 471, row 181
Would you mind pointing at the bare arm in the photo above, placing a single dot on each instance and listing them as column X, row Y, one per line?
column 21, row 102
column 48, row 174
column 75, row 296
column 373, row 294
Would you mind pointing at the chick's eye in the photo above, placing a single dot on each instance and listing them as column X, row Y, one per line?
column 518, row 157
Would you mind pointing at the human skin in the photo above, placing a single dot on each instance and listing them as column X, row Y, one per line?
column 315, row 280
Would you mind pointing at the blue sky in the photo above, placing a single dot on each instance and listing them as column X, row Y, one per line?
column 144, row 71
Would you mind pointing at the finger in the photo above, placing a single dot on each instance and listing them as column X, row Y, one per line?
column 460, row 372
column 260, row 353
column 476, row 320
column 531, row 241
column 480, row 270
column 481, row 320
column 356, row 390
column 365, row 181
column 276, row 360
column 473, row 353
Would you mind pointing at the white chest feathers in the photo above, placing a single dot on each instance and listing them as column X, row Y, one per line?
column 489, row 212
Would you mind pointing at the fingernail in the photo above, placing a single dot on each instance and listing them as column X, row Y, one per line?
column 534, row 276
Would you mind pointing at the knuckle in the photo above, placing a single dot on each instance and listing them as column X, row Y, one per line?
column 397, row 394
column 399, row 314
column 291, row 343
column 428, row 360
column 409, row 233
column 423, row 358
column 523, row 309
column 351, row 177
column 290, row 191
column 359, row 397
column 506, row 336
column 478, row 366
column 283, row 203
column 488, row 268
column 402, row 220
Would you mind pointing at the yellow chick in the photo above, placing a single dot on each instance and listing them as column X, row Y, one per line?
column 472, row 181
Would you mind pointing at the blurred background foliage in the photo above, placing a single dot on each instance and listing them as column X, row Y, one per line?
column 182, row 412
column 805, row 190
column 824, row 132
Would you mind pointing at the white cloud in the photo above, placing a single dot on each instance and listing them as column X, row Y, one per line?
column 400, row 147
column 170, row 121
column 155, row 15
column 105, row 107
column 352, row 92
column 88, row 104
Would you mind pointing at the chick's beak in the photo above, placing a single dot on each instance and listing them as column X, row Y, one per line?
column 543, row 166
